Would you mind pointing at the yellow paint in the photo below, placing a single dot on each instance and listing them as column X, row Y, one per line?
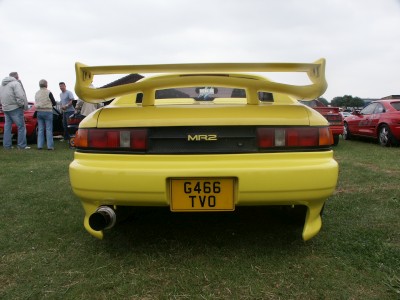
column 287, row 178
column 315, row 72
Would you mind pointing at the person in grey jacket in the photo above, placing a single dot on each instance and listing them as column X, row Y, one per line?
column 14, row 102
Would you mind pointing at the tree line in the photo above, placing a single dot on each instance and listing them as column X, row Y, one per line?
column 347, row 101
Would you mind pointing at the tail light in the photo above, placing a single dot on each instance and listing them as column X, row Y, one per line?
column 114, row 139
column 294, row 137
column 74, row 121
column 335, row 119
column 136, row 139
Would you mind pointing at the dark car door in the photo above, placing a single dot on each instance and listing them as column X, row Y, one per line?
column 57, row 121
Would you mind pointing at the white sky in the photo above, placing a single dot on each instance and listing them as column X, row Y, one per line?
column 360, row 39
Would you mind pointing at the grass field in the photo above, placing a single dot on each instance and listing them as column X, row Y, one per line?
column 249, row 254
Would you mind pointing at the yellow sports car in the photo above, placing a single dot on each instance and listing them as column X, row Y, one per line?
column 202, row 137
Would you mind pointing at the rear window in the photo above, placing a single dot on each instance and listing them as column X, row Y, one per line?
column 208, row 93
column 396, row 105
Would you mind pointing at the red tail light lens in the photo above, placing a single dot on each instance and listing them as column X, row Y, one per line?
column 266, row 137
column 103, row 138
column 133, row 139
column 302, row 137
column 139, row 139
column 294, row 137
column 334, row 118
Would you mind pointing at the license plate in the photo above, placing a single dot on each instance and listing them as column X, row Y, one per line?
column 202, row 194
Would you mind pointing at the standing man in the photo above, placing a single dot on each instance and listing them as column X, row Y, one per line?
column 66, row 98
column 14, row 102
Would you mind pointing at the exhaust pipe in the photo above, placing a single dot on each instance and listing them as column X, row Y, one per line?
column 103, row 218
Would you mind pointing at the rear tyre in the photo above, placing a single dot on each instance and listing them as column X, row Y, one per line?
column 72, row 141
column 386, row 137
column 335, row 140
column 346, row 132
column 32, row 139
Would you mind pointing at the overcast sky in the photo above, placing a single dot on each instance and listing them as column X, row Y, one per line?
column 360, row 39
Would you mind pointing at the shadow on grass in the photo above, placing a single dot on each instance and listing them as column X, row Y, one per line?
column 261, row 227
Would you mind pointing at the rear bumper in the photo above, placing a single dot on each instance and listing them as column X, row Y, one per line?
column 307, row 178
column 336, row 129
column 395, row 129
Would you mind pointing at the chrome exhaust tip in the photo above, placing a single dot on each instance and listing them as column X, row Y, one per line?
column 103, row 218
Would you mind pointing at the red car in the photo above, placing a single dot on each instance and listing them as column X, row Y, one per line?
column 379, row 120
column 31, row 123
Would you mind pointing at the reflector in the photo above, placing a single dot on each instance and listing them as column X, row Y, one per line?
column 124, row 139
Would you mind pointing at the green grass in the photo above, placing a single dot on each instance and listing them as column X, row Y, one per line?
column 249, row 254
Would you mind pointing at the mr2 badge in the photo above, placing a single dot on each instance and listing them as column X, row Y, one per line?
column 201, row 137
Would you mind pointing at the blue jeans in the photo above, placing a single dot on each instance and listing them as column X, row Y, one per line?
column 14, row 116
column 66, row 116
column 45, row 121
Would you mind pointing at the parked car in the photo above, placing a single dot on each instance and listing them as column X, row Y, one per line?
column 345, row 114
column 379, row 120
column 332, row 114
column 72, row 126
column 31, row 123
column 202, row 138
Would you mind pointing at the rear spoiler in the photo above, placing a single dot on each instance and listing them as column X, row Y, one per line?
column 85, row 74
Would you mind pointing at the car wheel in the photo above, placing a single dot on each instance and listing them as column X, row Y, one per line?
column 72, row 141
column 32, row 139
column 385, row 137
column 335, row 140
column 346, row 132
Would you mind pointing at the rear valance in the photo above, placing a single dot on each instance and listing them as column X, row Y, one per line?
column 85, row 74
